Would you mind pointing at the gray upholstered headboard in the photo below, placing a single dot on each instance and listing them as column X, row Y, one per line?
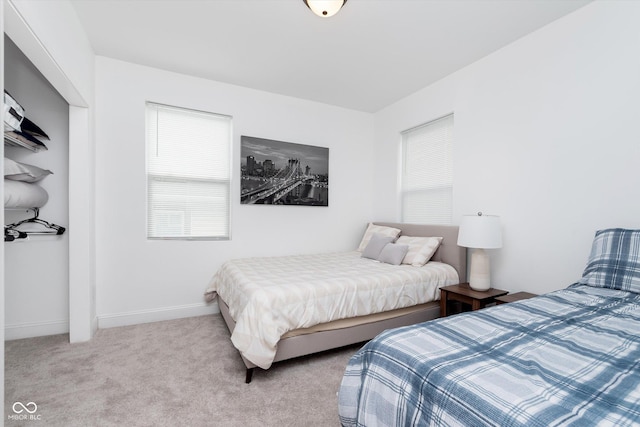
column 448, row 252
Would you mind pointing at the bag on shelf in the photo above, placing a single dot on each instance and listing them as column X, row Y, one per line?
column 33, row 129
column 19, row 130
column 13, row 113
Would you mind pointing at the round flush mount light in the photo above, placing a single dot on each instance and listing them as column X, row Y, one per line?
column 325, row 8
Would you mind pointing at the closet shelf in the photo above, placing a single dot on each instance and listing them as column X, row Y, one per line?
column 12, row 141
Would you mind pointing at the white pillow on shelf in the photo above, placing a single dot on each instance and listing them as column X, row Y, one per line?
column 24, row 195
column 16, row 171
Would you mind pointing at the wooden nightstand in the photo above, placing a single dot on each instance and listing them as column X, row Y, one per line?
column 514, row 297
column 464, row 294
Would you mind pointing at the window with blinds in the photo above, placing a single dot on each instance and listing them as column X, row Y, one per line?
column 427, row 172
column 188, row 173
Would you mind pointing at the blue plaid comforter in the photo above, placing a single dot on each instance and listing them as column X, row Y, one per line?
column 567, row 358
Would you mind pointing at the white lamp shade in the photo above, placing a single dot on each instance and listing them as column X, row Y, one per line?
column 480, row 231
column 325, row 8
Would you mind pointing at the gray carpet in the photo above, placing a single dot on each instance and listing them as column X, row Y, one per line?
column 179, row 372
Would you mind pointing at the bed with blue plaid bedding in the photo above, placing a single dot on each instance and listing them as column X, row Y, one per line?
column 567, row 358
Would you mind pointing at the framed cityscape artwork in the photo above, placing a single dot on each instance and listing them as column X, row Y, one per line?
column 283, row 173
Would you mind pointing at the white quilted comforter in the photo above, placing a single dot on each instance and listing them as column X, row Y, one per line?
column 267, row 297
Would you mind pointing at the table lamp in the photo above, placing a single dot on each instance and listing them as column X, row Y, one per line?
column 480, row 232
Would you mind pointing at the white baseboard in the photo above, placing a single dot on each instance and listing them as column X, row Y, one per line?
column 156, row 315
column 38, row 329
column 19, row 331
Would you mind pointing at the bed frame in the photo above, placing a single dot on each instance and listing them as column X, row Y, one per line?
column 449, row 252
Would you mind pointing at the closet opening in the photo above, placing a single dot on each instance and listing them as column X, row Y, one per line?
column 36, row 183
column 67, row 290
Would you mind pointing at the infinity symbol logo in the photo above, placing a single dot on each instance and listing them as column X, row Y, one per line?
column 22, row 407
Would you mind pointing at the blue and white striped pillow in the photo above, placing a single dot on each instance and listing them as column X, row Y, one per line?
column 614, row 261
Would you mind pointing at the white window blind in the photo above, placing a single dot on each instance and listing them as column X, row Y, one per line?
column 427, row 173
column 188, row 173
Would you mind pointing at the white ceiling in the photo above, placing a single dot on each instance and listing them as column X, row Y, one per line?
column 369, row 55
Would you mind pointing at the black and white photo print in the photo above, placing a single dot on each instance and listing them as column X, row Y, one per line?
column 283, row 173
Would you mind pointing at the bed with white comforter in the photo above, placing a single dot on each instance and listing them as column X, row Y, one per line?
column 270, row 296
column 278, row 308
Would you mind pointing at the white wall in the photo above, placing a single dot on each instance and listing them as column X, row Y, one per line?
column 54, row 27
column 142, row 280
column 546, row 136
column 2, row 218
column 37, row 271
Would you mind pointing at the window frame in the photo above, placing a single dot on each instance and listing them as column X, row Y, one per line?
column 149, row 177
column 430, row 189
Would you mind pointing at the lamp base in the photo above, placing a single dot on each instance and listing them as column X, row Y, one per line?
column 480, row 275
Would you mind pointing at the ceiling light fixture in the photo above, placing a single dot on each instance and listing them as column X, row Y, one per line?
column 325, row 8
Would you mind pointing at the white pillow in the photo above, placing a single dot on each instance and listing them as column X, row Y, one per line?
column 421, row 249
column 23, row 172
column 24, row 195
column 377, row 229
